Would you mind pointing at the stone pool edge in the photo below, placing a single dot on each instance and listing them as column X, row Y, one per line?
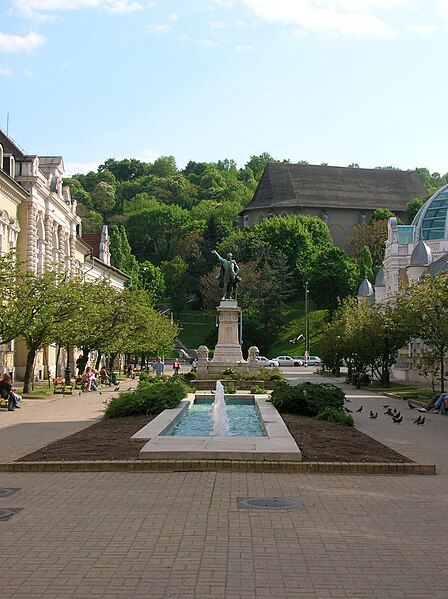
column 277, row 445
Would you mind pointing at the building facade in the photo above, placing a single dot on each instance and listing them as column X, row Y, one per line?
column 38, row 221
column 343, row 197
column 412, row 252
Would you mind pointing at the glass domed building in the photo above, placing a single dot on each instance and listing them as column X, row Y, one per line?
column 412, row 251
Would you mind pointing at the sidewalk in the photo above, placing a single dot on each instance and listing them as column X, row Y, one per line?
column 40, row 421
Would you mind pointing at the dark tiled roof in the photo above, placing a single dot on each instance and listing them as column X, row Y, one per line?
column 93, row 240
column 439, row 267
column 287, row 185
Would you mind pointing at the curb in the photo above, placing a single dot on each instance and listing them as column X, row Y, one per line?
column 222, row 465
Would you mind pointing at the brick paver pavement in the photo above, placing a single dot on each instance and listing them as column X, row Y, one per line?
column 181, row 534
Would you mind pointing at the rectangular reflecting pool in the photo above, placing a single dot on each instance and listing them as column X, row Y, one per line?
column 197, row 421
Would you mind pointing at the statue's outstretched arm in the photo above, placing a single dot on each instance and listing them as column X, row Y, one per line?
column 216, row 254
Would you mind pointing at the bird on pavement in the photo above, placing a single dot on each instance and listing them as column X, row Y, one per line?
column 418, row 420
column 117, row 388
column 403, row 398
column 386, row 406
column 397, row 415
column 398, row 420
column 80, row 393
column 411, row 406
column 388, row 412
column 348, row 400
column 395, row 411
column 422, row 421
column 359, row 409
column 372, row 415
column 101, row 393
column 348, row 411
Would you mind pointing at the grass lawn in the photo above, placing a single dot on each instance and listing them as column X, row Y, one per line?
column 40, row 391
column 295, row 325
column 422, row 394
column 196, row 327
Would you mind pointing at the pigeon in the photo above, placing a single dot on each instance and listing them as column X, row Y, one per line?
column 388, row 412
column 418, row 420
column 348, row 400
column 359, row 409
column 403, row 398
column 101, row 393
column 397, row 415
column 411, row 406
column 422, row 421
column 372, row 415
column 80, row 393
column 348, row 411
column 386, row 406
column 398, row 420
column 117, row 388
column 395, row 411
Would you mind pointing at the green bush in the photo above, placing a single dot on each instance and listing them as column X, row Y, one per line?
column 149, row 398
column 308, row 399
column 229, row 372
column 149, row 378
column 332, row 415
column 256, row 389
column 189, row 376
column 230, row 389
column 269, row 374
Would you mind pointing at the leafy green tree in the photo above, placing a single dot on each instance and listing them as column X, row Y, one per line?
column 257, row 164
column 366, row 265
column 78, row 192
column 154, row 233
column 92, row 221
column 373, row 236
column 413, row 207
column 382, row 214
column 125, row 170
column 151, row 280
column 333, row 277
column 176, row 281
column 103, row 197
column 121, row 254
column 165, row 166
column 428, row 309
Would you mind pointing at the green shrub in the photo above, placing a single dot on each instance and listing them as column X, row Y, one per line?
column 229, row 372
column 308, row 399
column 189, row 376
column 230, row 389
column 149, row 398
column 149, row 378
column 331, row 415
column 269, row 374
column 256, row 389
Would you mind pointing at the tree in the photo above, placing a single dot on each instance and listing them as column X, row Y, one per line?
column 382, row 214
column 125, row 170
column 121, row 254
column 413, row 207
column 366, row 265
column 165, row 166
column 151, row 280
column 78, row 192
column 175, row 275
column 373, row 236
column 428, row 305
column 154, row 232
column 103, row 197
column 333, row 277
column 257, row 164
column 92, row 221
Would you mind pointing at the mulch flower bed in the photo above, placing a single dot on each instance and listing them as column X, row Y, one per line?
column 319, row 441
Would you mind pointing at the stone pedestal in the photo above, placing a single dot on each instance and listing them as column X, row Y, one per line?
column 228, row 349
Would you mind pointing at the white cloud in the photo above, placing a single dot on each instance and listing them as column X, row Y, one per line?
column 27, row 72
column 162, row 28
column 5, row 70
column 207, row 43
column 38, row 8
column 174, row 16
column 151, row 4
column 425, row 30
column 217, row 25
column 20, row 43
column 244, row 48
column 346, row 17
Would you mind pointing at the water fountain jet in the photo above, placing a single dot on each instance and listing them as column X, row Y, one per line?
column 220, row 419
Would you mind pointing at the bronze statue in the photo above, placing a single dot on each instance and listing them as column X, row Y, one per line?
column 228, row 276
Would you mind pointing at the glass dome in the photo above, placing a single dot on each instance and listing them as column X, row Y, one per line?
column 431, row 221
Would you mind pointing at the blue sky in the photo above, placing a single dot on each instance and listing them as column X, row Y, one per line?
column 334, row 81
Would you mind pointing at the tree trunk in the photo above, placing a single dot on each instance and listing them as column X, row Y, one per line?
column 29, row 370
column 385, row 376
column 112, row 360
column 98, row 360
column 82, row 360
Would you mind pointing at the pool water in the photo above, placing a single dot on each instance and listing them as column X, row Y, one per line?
column 197, row 420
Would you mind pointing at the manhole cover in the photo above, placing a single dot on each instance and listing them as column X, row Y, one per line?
column 268, row 503
column 6, row 515
column 6, row 492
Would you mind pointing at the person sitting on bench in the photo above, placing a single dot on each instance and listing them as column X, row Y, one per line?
column 7, row 392
column 438, row 402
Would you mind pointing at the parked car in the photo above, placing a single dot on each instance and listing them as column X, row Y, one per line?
column 288, row 361
column 263, row 361
column 312, row 360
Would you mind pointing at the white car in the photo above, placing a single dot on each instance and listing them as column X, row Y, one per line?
column 312, row 360
column 263, row 361
column 288, row 361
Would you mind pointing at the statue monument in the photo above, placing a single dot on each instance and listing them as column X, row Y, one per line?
column 228, row 352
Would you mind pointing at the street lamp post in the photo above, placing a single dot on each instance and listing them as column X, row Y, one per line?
column 307, row 344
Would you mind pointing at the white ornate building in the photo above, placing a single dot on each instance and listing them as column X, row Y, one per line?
column 412, row 252
column 38, row 219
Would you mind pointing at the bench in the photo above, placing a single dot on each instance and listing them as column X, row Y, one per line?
column 59, row 386
column 4, row 402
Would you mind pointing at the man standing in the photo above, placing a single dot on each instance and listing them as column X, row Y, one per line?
column 159, row 366
column 228, row 275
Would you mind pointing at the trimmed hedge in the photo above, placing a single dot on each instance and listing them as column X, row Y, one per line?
column 307, row 399
column 151, row 397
